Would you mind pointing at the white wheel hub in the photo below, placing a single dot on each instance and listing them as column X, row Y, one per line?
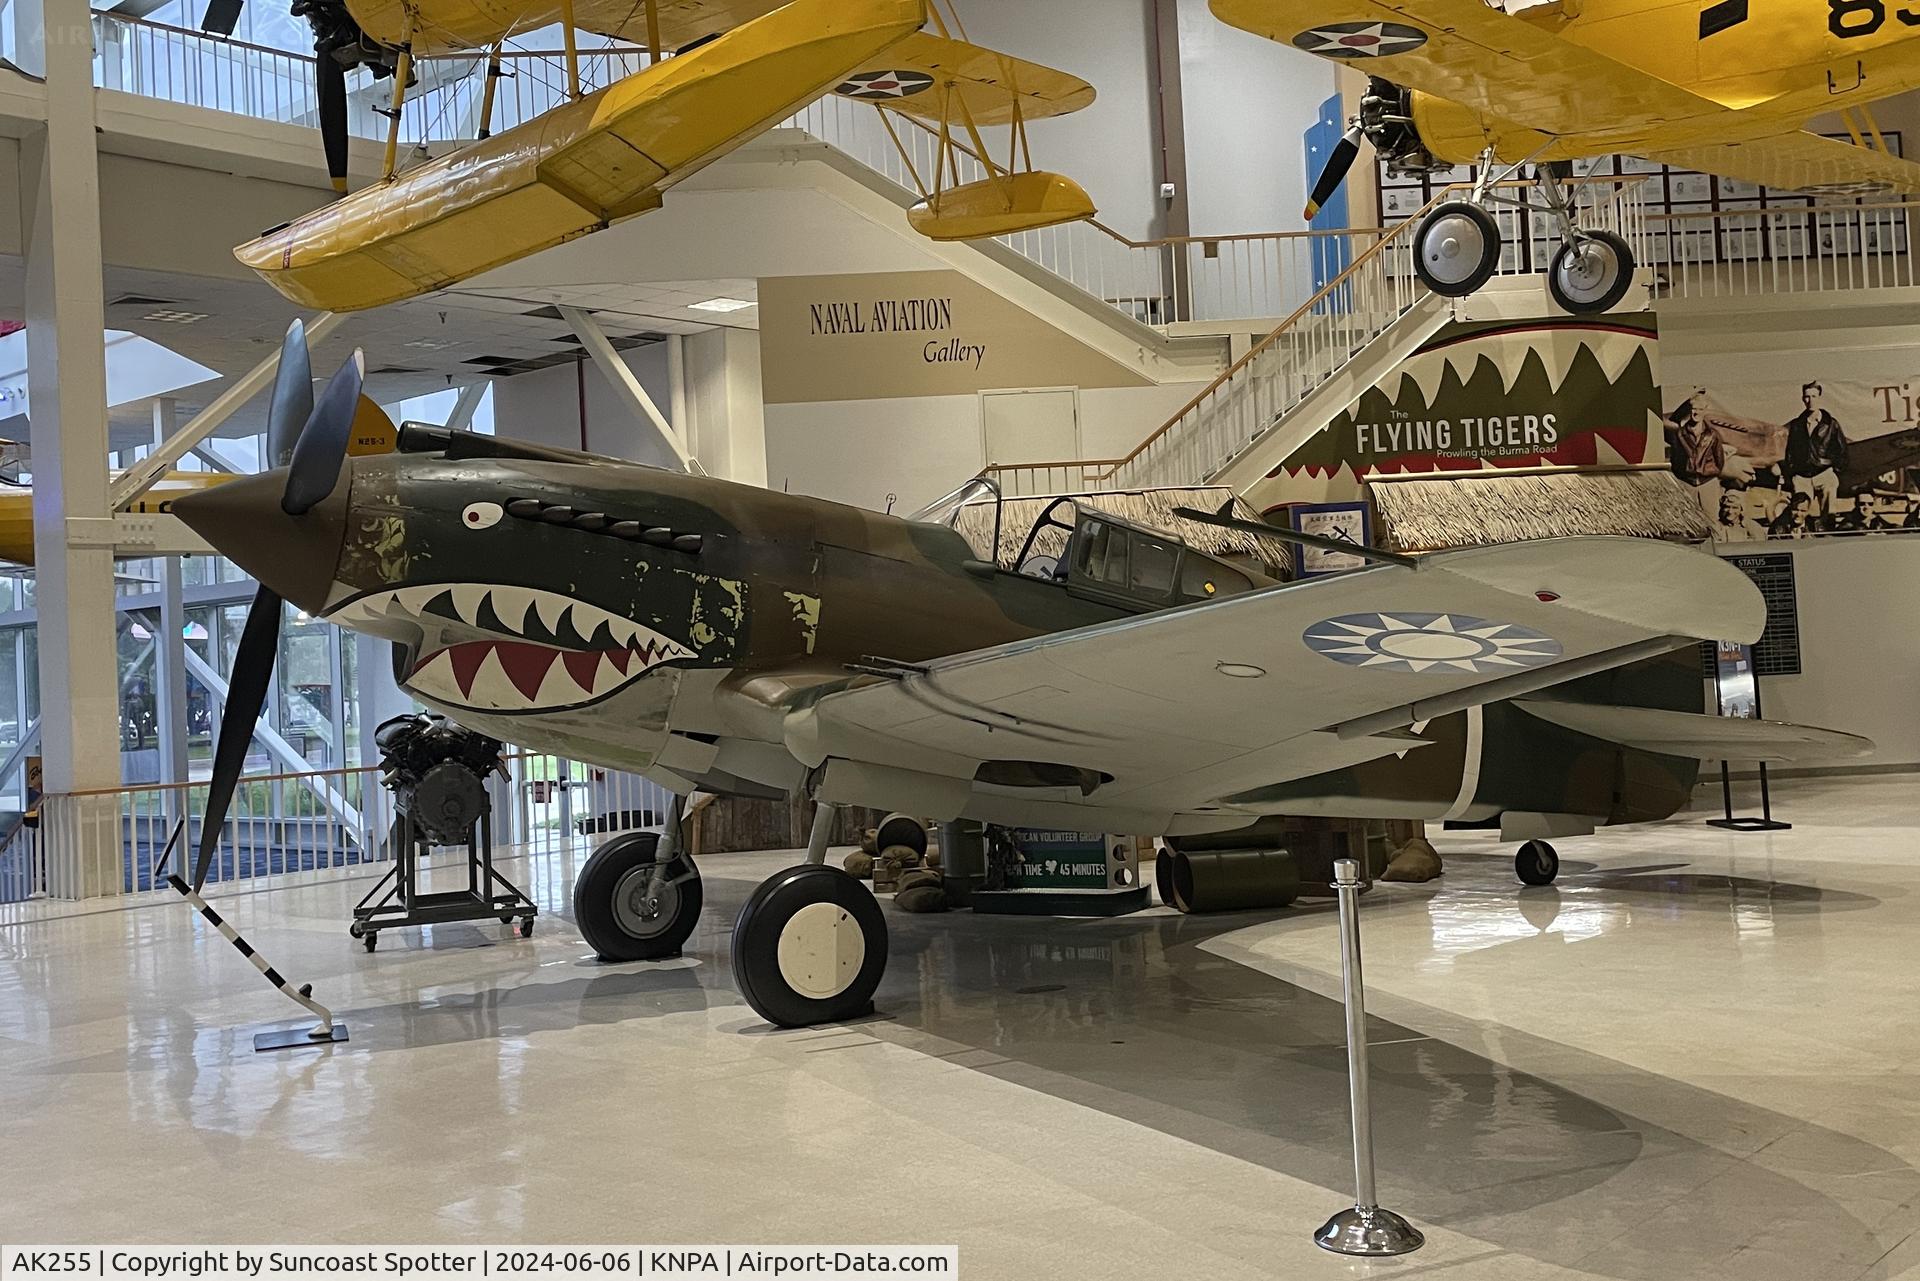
column 1588, row 271
column 1453, row 247
column 821, row 950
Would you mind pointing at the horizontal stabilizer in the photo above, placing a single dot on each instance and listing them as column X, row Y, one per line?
column 1699, row 735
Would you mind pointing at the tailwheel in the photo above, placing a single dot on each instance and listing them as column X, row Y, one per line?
column 1456, row 248
column 630, row 906
column 1592, row 273
column 1537, row 863
column 810, row 947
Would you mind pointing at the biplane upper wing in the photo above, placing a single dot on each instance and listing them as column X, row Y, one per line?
column 1471, row 53
column 925, row 74
column 1178, row 711
column 1799, row 161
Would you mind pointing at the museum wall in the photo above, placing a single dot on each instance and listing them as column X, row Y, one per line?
column 10, row 212
column 159, row 216
column 1859, row 642
column 859, row 451
column 1248, row 103
column 544, row 406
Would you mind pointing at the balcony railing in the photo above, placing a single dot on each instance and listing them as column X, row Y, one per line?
column 315, row 821
column 1216, row 280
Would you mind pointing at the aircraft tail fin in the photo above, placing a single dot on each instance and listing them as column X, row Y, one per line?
column 1700, row 735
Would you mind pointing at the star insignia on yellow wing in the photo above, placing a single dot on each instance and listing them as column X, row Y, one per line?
column 1360, row 39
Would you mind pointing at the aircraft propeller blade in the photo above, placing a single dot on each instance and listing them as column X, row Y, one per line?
column 1345, row 152
column 220, row 17
column 246, row 695
column 292, row 402
column 322, row 447
column 330, row 89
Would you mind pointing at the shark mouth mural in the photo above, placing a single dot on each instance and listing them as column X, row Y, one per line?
column 541, row 651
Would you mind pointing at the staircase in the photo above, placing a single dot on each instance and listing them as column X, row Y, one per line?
column 1344, row 339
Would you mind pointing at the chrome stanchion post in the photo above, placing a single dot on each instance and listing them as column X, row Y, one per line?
column 1365, row 1228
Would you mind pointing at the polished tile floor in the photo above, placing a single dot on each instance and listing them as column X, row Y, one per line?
column 1692, row 1058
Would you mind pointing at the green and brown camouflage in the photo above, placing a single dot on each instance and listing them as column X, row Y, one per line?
column 667, row 624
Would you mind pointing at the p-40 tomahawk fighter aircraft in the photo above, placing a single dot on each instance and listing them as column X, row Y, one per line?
column 1723, row 86
column 723, row 72
column 728, row 639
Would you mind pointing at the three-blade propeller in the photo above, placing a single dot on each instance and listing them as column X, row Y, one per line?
column 310, row 439
column 1334, row 172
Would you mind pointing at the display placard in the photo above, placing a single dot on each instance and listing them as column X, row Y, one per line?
column 1777, row 653
column 1344, row 522
column 1734, row 683
column 1058, row 860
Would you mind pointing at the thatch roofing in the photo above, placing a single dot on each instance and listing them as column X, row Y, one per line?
column 1470, row 509
column 1152, row 508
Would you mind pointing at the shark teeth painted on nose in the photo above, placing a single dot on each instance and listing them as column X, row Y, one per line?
column 548, row 651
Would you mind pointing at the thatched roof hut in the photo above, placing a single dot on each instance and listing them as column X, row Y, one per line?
column 1466, row 509
column 1152, row 508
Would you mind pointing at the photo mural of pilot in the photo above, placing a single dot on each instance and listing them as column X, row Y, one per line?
column 1829, row 453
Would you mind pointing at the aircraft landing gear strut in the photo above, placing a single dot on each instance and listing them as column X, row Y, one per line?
column 1456, row 247
column 810, row 946
column 638, row 897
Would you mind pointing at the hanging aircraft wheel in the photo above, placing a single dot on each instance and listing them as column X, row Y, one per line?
column 810, row 947
column 1456, row 248
column 1592, row 274
column 1537, row 863
column 622, row 914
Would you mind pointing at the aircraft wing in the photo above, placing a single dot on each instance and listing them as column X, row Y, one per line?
column 1800, row 161
column 1471, row 53
column 917, row 75
column 1172, row 712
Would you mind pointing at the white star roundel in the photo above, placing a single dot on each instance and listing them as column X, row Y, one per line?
column 1419, row 642
column 881, row 86
column 1360, row 39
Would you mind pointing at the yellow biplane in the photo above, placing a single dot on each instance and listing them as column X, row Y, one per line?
column 1721, row 86
column 737, row 67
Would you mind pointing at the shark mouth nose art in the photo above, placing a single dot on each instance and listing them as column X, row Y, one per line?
column 546, row 652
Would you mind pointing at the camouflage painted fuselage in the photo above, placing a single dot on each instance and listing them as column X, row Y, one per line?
column 667, row 624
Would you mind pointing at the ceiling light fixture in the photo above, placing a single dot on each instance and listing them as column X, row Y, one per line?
column 719, row 304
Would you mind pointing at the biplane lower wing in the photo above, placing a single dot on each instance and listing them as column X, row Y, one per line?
column 1800, row 161
column 1172, row 713
column 1468, row 52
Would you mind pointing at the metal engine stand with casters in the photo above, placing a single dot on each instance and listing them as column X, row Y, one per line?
column 1365, row 1228
column 437, row 773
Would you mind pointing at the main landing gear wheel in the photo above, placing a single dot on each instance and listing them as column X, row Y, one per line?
column 629, row 907
column 810, row 947
column 1591, row 274
column 1537, row 863
column 1456, row 248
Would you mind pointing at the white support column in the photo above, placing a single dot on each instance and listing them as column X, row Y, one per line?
column 67, row 380
column 170, row 659
column 464, row 406
column 625, row 384
column 725, row 414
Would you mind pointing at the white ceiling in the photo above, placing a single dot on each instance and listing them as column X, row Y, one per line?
column 412, row 348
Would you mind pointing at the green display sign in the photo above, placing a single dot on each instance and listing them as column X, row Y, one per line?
column 1058, row 860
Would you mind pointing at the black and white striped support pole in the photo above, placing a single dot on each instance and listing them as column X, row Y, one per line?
column 326, row 1030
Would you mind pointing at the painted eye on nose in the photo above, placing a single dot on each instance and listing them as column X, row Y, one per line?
column 481, row 515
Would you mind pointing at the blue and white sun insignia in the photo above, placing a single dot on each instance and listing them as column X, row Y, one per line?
column 1412, row 642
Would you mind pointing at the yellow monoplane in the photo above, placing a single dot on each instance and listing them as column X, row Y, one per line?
column 737, row 67
column 1721, row 86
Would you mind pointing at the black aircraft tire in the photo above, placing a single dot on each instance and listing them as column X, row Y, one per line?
column 810, row 947
column 610, row 908
column 1536, row 863
column 1475, row 232
column 1580, row 297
